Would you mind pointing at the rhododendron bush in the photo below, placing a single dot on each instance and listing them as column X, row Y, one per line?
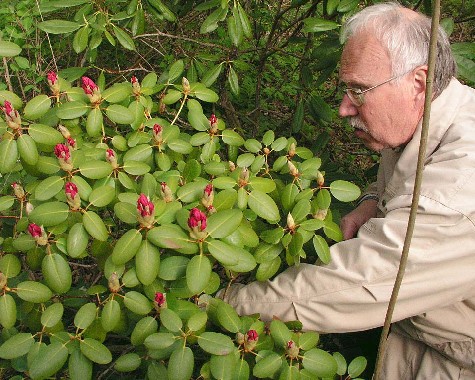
column 124, row 209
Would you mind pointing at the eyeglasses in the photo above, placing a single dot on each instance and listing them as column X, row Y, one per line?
column 356, row 95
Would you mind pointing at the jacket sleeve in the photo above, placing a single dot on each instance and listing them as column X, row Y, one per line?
column 353, row 291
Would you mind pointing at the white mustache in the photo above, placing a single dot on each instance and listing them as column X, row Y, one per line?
column 356, row 123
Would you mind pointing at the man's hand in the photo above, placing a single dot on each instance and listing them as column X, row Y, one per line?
column 351, row 223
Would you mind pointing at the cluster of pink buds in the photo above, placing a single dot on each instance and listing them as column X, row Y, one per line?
column 157, row 133
column 18, row 190
column 160, row 301
column 111, row 157
column 213, row 124
column 53, row 82
column 91, row 90
column 145, row 211
column 12, row 117
column 197, row 222
column 38, row 233
column 208, row 196
column 63, row 154
column 72, row 195
column 166, row 192
column 292, row 350
column 250, row 340
column 135, row 85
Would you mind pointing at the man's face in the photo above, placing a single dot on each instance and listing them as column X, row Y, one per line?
column 390, row 112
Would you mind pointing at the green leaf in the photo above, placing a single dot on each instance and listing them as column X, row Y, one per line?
column 94, row 122
column 49, row 214
column 198, row 273
column 146, row 326
column 333, row 231
column 223, row 252
column 172, row 96
column 85, row 315
column 216, row 343
column 128, row 362
column 280, row 333
column 264, row 206
column 147, row 262
column 44, row 134
column 58, row 26
column 13, row 98
column 314, row 24
column 126, row 247
column 137, row 303
column 110, row 315
column 49, row 360
column 212, row 75
column 245, row 23
column 228, row 317
column 37, row 107
column 176, row 70
column 197, row 119
column 180, row 364
column 16, row 346
column 124, row 39
column 6, row 202
column 234, row 30
column 27, row 149
column 357, row 366
column 120, row 114
column 95, row 351
column 8, row 155
column 139, row 152
column 48, row 188
column 101, row 196
column 32, row 291
column 267, row 269
column 52, row 314
column 344, row 191
column 94, row 226
column 267, row 366
column 204, row 94
column 72, row 110
column 79, row 366
column 77, row 240
column 8, row 311
column 57, row 273
column 311, row 224
column 96, row 169
column 80, row 39
column 341, row 363
column 10, row 265
column 308, row 340
column 173, row 237
column 223, row 223
column 322, row 249
column 231, row 137
column 267, row 252
column 319, row 362
column 197, row 321
column 117, row 93
column 233, row 81
column 9, row 49
column 266, row 185
column 159, row 341
column 173, row 267
column 170, row 320
column 136, row 167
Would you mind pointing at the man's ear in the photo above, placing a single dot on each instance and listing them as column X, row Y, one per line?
column 419, row 82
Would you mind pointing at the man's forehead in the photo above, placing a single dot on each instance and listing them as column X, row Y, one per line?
column 363, row 57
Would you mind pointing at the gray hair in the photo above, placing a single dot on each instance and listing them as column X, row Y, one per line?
column 406, row 39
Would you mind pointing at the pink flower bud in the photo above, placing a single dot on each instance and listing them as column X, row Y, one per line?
column 12, row 117
column 7, row 108
column 159, row 298
column 52, row 78
column 292, row 349
column 35, row 230
column 252, row 335
column 145, row 207
column 208, row 196
column 110, row 154
column 208, row 189
column 71, row 189
column 213, row 119
column 62, row 151
column 133, row 80
column 71, row 142
column 88, row 85
column 197, row 219
column 157, row 133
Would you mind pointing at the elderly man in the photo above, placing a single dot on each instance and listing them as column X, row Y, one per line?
column 384, row 66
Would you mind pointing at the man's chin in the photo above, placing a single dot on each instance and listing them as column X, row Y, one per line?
column 368, row 141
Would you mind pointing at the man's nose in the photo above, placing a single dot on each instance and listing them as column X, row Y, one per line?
column 347, row 108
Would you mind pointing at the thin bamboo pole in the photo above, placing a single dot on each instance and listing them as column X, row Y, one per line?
column 417, row 188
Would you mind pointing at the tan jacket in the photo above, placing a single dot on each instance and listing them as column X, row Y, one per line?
column 436, row 303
